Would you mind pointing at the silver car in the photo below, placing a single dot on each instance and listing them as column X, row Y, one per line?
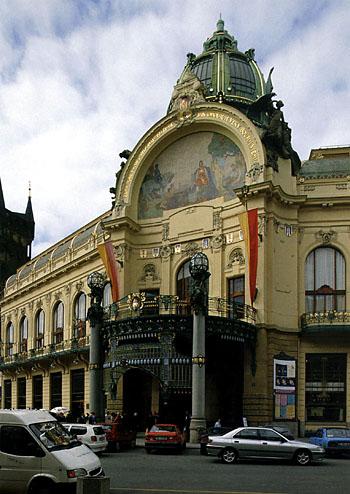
column 262, row 442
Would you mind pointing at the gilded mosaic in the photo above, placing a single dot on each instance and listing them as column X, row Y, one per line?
column 196, row 168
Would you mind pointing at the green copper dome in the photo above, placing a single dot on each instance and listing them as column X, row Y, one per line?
column 227, row 74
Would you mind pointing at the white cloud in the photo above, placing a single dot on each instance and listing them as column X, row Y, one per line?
column 82, row 80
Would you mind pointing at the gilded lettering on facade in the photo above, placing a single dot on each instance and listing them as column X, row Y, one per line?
column 237, row 124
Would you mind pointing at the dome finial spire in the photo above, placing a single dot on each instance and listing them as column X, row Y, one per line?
column 220, row 25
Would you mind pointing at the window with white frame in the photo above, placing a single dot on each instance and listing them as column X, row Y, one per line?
column 80, row 316
column 40, row 328
column 324, row 280
column 58, row 323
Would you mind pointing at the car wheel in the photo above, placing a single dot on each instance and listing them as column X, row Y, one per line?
column 42, row 487
column 303, row 457
column 229, row 455
column 148, row 451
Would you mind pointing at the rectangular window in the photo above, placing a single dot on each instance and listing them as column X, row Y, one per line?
column 77, row 392
column 7, row 393
column 38, row 392
column 21, row 392
column 325, row 390
column 236, row 296
column 55, row 389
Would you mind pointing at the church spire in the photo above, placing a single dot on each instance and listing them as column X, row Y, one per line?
column 29, row 209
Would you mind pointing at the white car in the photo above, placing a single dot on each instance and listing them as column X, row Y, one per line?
column 92, row 435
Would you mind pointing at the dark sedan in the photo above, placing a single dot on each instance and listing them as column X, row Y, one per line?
column 262, row 442
column 335, row 440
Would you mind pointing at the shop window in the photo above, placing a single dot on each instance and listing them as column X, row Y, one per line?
column 79, row 330
column 325, row 394
column 23, row 334
column 58, row 323
column 7, row 393
column 37, row 392
column 77, row 392
column 21, row 392
column 39, row 329
column 55, row 389
column 10, row 339
column 324, row 280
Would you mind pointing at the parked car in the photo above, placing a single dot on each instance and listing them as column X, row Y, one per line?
column 335, row 440
column 92, row 435
column 119, row 436
column 204, row 434
column 164, row 436
column 282, row 430
column 262, row 442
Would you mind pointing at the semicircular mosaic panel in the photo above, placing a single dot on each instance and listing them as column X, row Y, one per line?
column 194, row 169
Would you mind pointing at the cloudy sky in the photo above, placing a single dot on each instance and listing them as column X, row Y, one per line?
column 81, row 80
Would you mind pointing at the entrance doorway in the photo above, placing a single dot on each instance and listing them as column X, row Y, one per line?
column 137, row 396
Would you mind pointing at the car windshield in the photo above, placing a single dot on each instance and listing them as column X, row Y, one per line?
column 53, row 435
column 163, row 428
column 338, row 432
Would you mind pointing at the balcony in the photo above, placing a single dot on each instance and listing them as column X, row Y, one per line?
column 331, row 321
column 138, row 316
column 45, row 353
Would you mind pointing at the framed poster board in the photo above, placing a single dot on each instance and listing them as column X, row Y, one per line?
column 284, row 387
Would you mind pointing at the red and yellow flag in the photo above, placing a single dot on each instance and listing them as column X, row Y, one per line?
column 249, row 225
column 106, row 252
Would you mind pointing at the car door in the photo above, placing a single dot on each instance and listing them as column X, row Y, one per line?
column 20, row 458
column 317, row 438
column 272, row 444
column 247, row 442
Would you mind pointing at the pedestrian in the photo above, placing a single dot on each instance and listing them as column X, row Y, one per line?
column 92, row 418
column 217, row 426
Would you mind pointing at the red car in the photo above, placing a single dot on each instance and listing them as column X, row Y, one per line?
column 119, row 436
column 164, row 436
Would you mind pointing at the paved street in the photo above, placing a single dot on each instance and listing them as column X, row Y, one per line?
column 135, row 472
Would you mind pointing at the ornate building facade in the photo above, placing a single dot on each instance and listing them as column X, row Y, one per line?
column 277, row 342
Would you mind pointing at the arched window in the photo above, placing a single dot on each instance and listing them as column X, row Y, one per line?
column 80, row 316
column 23, row 334
column 324, row 280
column 183, row 288
column 107, row 295
column 10, row 339
column 58, row 323
column 39, row 328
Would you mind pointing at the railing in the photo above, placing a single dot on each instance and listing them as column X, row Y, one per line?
column 140, row 305
column 74, row 344
column 331, row 317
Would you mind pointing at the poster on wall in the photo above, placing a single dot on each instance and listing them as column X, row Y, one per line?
column 284, row 384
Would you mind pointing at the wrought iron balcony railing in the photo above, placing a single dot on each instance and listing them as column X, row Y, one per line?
column 331, row 317
column 141, row 305
column 46, row 351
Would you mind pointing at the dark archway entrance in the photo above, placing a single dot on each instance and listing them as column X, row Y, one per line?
column 224, row 382
column 137, row 396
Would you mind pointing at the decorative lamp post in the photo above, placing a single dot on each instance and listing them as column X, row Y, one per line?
column 96, row 282
column 199, row 266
